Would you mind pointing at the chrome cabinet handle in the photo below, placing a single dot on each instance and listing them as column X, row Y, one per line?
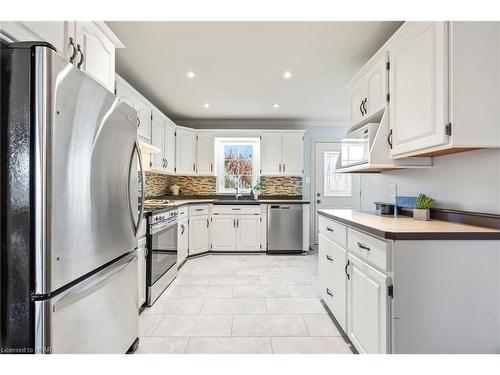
column 138, row 121
column 182, row 229
column 389, row 139
column 318, row 201
column 345, row 269
column 73, row 54
column 237, row 223
column 328, row 292
column 166, row 163
column 329, row 258
column 211, row 167
column 82, row 57
column 198, row 209
column 236, row 209
column 279, row 167
column 234, row 223
column 364, row 105
column 284, row 165
column 194, row 167
column 361, row 246
column 208, row 223
column 329, row 229
column 361, row 108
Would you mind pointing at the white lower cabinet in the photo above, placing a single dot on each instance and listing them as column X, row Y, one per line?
column 236, row 233
column 141, row 271
column 198, row 234
column 351, row 286
column 367, row 307
column 248, row 233
column 332, row 264
column 182, row 241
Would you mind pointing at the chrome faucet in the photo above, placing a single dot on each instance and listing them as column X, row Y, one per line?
column 238, row 194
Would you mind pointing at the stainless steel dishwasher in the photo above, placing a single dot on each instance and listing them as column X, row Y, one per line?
column 284, row 228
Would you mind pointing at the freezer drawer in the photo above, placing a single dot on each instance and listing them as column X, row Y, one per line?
column 98, row 315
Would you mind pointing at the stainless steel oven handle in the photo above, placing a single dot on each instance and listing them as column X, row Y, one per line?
column 159, row 228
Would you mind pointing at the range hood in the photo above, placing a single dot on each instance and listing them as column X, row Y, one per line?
column 378, row 158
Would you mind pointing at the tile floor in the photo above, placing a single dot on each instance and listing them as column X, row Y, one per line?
column 255, row 304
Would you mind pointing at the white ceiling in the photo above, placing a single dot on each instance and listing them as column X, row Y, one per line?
column 239, row 66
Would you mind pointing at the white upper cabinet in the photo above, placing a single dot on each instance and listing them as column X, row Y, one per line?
column 205, row 153
column 293, row 154
column 169, row 146
column 96, row 52
column 368, row 90
column 444, row 82
column 158, row 129
column 270, row 153
column 282, row 153
column 129, row 95
column 88, row 45
column 418, row 87
column 185, row 159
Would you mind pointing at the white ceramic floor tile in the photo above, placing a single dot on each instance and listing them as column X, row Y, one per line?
column 175, row 306
column 294, row 306
column 229, row 345
column 200, row 291
column 280, row 279
column 234, row 306
column 303, row 291
column 320, row 325
column 260, row 291
column 148, row 323
column 162, row 345
column 309, row 345
column 194, row 325
column 269, row 325
column 235, row 280
column 193, row 279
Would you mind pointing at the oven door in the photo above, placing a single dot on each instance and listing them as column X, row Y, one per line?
column 163, row 250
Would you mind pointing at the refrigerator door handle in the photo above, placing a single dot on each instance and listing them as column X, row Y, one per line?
column 141, row 209
column 97, row 284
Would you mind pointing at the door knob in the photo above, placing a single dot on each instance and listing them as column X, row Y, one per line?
column 318, row 201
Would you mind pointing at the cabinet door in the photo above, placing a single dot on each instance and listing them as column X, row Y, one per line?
column 248, row 233
column 356, row 95
column 143, row 109
column 333, row 279
column 125, row 91
column 367, row 307
column 169, row 146
column 293, row 154
column 223, row 233
column 158, row 140
column 98, row 53
column 270, row 154
column 418, row 87
column 183, row 241
column 141, row 272
column 205, row 153
column 185, row 151
column 198, row 234
column 376, row 86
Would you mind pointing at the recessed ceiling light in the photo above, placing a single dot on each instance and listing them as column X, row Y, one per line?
column 206, row 105
column 276, row 105
column 287, row 75
column 190, row 74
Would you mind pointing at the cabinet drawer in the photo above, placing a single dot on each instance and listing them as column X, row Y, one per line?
column 198, row 210
column 370, row 249
column 333, row 231
column 236, row 209
column 182, row 212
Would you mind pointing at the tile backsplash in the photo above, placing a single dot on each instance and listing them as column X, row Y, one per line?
column 159, row 184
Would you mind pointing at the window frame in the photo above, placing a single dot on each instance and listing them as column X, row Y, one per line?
column 220, row 143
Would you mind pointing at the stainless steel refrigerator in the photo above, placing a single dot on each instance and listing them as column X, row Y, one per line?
column 69, row 208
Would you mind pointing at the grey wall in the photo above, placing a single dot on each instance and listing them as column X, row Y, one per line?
column 467, row 181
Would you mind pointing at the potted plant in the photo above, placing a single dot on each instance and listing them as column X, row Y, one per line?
column 422, row 207
column 256, row 189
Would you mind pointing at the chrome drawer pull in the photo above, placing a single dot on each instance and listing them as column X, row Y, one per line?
column 329, row 229
column 329, row 258
column 328, row 292
column 361, row 246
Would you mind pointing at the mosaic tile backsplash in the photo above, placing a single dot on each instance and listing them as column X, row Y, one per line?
column 159, row 184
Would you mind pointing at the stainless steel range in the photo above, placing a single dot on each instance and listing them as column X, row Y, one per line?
column 162, row 253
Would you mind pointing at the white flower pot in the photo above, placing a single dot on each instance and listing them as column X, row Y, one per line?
column 421, row 214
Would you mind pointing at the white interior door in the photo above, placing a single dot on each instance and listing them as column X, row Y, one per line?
column 332, row 190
